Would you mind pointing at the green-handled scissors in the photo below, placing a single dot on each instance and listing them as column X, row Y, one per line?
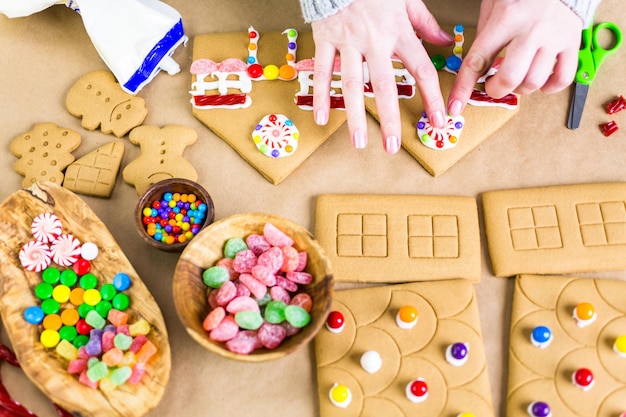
column 590, row 56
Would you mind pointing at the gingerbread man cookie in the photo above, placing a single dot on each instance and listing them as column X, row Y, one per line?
column 161, row 155
column 101, row 102
column 44, row 153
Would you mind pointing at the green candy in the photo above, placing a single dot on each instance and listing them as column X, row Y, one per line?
column 119, row 376
column 234, row 245
column 275, row 312
column 97, row 371
column 68, row 277
column 297, row 316
column 248, row 319
column 68, row 333
column 122, row 341
column 438, row 61
column 120, row 301
column 50, row 306
column 107, row 292
column 84, row 309
column 43, row 290
column 103, row 308
column 215, row 276
column 80, row 340
column 50, row 275
column 95, row 320
column 88, row 281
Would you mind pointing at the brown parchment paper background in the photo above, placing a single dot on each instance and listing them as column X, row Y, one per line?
column 42, row 55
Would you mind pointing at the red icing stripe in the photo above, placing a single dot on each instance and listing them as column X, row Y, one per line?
column 218, row 100
column 481, row 96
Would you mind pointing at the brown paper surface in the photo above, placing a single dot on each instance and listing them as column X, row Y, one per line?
column 44, row 54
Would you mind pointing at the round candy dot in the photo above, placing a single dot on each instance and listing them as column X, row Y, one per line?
column 52, row 321
column 84, row 309
column 466, row 415
column 620, row 346
column 340, row 395
column 68, row 333
column 43, row 290
column 103, row 308
column 407, row 317
column 88, row 281
column 121, row 281
column 585, row 311
column 70, row 316
column 438, row 61
column 120, row 301
column 335, row 322
column 80, row 340
column 270, row 72
column 76, row 296
column 50, row 306
column 583, row 378
column 89, row 251
column 49, row 338
column 82, row 327
column 68, row 277
column 371, row 361
column 34, row 315
column 61, row 293
column 287, row 72
column 539, row 409
column 417, row 390
column 107, row 292
column 81, row 266
column 453, row 63
column 92, row 296
column 51, row 275
column 541, row 336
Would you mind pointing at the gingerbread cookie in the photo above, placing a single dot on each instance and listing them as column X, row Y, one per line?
column 161, row 155
column 44, row 153
column 567, row 353
column 240, row 78
column 95, row 173
column 372, row 362
column 482, row 117
column 557, row 229
column 101, row 102
column 399, row 238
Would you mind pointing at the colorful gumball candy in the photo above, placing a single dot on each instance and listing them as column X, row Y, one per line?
column 335, row 322
column 407, row 317
column 340, row 395
column 584, row 314
column 417, row 390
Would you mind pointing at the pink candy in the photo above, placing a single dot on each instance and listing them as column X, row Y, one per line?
column 270, row 268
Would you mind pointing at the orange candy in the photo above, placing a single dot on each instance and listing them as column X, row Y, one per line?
column 585, row 311
column 408, row 314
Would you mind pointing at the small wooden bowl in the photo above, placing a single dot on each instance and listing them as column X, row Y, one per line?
column 190, row 292
column 156, row 192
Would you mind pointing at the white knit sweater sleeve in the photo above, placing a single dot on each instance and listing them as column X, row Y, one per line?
column 313, row 10
column 584, row 9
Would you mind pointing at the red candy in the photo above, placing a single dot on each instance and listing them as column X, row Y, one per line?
column 245, row 342
column 275, row 236
column 272, row 335
column 244, row 261
column 609, row 128
column 616, row 105
column 226, row 330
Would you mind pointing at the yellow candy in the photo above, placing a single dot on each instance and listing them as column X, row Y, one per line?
column 105, row 384
column 61, row 293
column 466, row 415
column 92, row 297
column 339, row 393
column 141, row 326
column 271, row 72
column 49, row 338
column 52, row 322
column 620, row 345
column 67, row 350
column 128, row 359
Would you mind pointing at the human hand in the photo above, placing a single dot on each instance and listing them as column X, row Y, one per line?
column 541, row 38
column 375, row 31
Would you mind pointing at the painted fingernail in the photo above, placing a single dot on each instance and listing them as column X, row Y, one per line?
column 392, row 144
column 437, row 119
column 321, row 118
column 455, row 108
column 445, row 35
column 359, row 140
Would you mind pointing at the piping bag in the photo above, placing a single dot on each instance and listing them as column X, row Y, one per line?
column 134, row 38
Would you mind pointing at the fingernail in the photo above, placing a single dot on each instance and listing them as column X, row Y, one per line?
column 445, row 35
column 321, row 118
column 392, row 144
column 359, row 140
column 437, row 119
column 455, row 108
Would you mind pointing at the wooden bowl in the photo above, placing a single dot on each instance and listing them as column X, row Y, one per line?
column 190, row 292
column 156, row 192
column 43, row 366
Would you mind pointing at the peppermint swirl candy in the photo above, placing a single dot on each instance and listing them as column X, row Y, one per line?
column 65, row 250
column 276, row 136
column 35, row 256
column 46, row 227
column 440, row 138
